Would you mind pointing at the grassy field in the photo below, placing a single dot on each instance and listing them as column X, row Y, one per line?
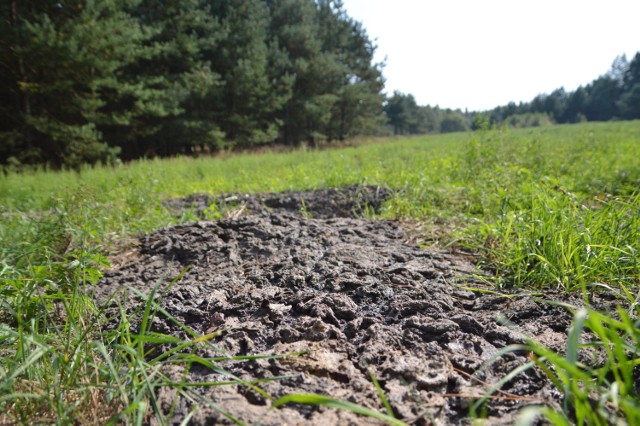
column 557, row 208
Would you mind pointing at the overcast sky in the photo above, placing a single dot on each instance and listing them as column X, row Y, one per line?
column 480, row 54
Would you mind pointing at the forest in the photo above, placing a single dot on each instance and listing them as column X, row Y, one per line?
column 89, row 81
column 612, row 96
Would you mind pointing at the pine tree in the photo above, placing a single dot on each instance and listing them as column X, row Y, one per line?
column 402, row 113
column 629, row 103
column 84, row 80
column 63, row 57
column 253, row 91
column 175, row 87
column 336, row 91
column 358, row 107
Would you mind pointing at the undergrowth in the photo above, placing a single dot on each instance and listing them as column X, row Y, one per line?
column 596, row 393
column 547, row 208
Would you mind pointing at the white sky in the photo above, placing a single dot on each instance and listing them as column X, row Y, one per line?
column 479, row 54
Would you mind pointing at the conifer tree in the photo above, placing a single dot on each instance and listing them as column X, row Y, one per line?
column 252, row 92
column 62, row 58
column 176, row 87
column 85, row 80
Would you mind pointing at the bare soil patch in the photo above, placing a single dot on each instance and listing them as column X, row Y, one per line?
column 300, row 272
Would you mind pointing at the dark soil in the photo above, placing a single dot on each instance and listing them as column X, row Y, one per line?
column 282, row 276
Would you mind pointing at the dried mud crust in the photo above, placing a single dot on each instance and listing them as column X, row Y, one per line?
column 350, row 293
column 350, row 201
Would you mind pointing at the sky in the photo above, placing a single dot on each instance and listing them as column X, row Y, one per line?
column 479, row 54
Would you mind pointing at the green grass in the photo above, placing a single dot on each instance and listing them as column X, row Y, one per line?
column 601, row 394
column 548, row 208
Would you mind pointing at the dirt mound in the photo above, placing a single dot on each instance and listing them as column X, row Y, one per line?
column 351, row 201
column 350, row 293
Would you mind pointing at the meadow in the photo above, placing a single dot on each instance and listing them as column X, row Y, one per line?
column 555, row 208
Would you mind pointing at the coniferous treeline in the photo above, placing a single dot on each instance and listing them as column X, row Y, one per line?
column 612, row 96
column 406, row 117
column 87, row 80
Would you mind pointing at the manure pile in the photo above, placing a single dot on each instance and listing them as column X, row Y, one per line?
column 302, row 272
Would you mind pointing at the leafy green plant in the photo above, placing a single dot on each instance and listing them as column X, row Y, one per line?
column 304, row 210
column 604, row 392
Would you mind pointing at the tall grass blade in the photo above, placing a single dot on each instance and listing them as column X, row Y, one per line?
column 321, row 400
column 381, row 395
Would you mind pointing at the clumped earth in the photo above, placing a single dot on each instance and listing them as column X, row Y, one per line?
column 303, row 272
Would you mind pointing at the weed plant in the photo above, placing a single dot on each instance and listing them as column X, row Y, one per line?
column 601, row 394
column 549, row 208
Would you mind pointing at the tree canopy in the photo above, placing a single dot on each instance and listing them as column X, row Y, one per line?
column 614, row 95
column 88, row 81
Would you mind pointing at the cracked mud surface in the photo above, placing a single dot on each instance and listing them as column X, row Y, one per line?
column 281, row 276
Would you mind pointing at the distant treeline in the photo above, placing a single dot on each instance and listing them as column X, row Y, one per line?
column 88, row 81
column 612, row 96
